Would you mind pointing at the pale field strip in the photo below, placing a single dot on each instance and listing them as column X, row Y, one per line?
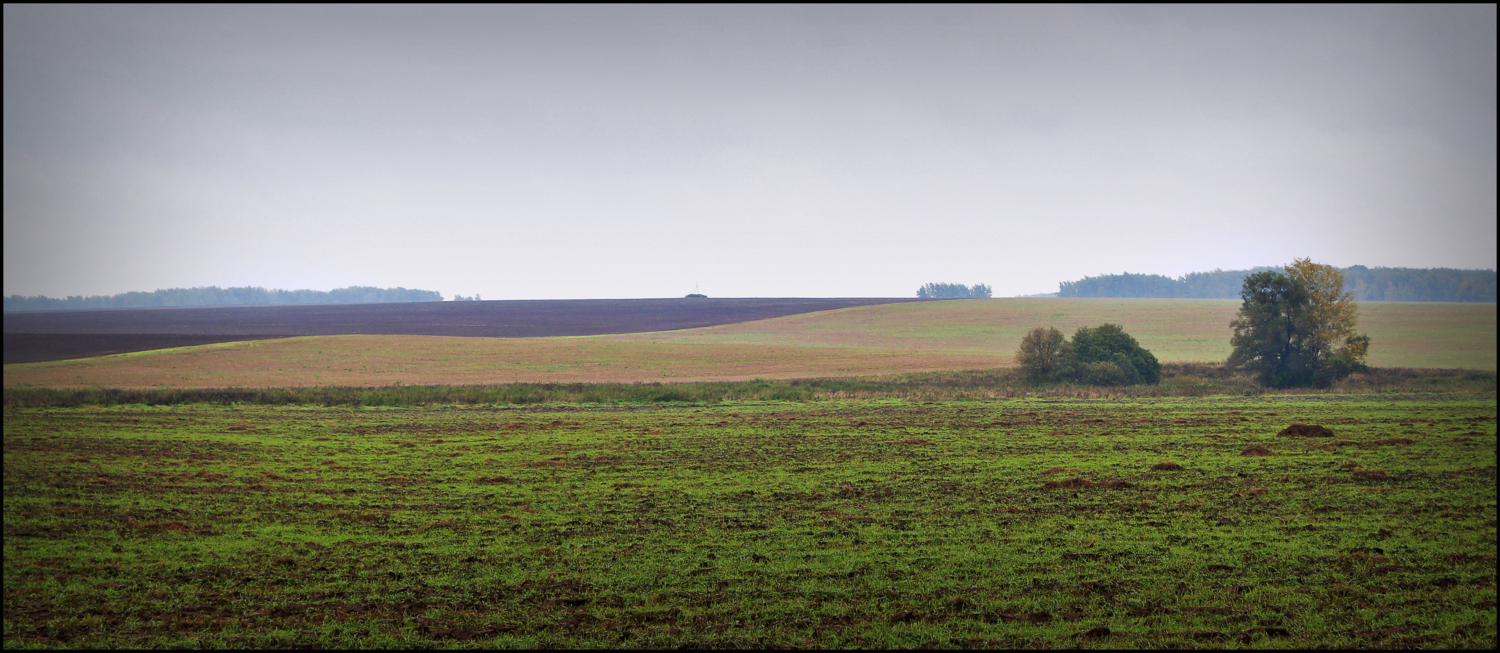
column 1405, row 334
column 882, row 339
column 380, row 360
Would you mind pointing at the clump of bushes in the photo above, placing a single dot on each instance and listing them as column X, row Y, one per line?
column 1102, row 355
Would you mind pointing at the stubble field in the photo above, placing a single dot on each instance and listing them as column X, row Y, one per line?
column 381, row 360
column 1026, row 523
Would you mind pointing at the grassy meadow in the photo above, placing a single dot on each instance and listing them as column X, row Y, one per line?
column 1126, row 523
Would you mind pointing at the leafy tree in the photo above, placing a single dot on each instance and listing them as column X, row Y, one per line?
column 1267, row 332
column 1332, row 312
column 1107, row 345
column 1045, row 355
column 1297, row 329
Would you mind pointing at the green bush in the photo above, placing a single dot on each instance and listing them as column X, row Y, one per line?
column 1110, row 343
column 1102, row 373
column 1102, row 355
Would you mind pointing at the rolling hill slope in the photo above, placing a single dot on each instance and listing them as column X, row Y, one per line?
column 910, row 337
column 1176, row 330
column 57, row 335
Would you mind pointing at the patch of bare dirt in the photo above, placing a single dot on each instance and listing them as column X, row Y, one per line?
column 1083, row 483
column 1297, row 430
column 547, row 463
column 1069, row 484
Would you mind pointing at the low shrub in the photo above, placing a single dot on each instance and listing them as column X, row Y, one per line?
column 1103, row 356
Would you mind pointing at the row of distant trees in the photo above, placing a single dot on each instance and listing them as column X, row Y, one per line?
column 216, row 296
column 953, row 291
column 1364, row 284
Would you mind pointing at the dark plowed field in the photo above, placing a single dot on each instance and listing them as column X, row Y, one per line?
column 38, row 347
column 59, row 335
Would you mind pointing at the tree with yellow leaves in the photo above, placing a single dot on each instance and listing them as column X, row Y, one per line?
column 1331, row 312
column 1297, row 329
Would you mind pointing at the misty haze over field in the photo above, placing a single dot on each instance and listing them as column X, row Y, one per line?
column 522, row 152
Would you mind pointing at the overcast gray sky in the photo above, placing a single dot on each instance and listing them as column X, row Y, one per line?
column 754, row 151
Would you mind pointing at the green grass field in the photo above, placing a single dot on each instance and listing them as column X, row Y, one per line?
column 1016, row 523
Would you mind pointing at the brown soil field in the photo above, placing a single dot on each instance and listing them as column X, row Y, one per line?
column 378, row 360
column 58, row 335
column 39, row 347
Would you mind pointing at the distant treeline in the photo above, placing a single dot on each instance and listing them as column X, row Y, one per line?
column 953, row 291
column 216, row 296
column 1366, row 284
